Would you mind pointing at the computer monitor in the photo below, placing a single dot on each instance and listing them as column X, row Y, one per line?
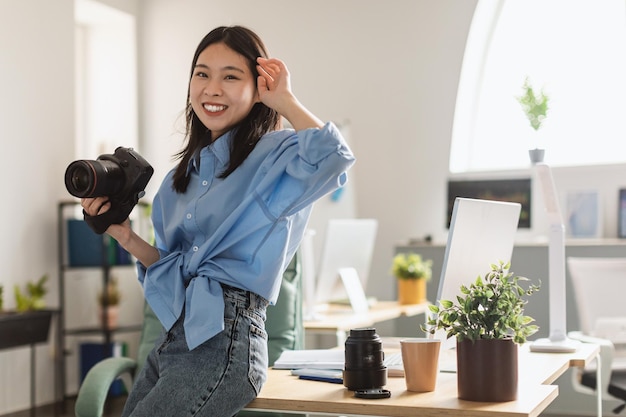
column 348, row 244
column 482, row 232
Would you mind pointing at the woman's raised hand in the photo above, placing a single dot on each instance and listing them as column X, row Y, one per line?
column 274, row 88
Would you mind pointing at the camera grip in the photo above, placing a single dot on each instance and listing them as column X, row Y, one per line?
column 115, row 215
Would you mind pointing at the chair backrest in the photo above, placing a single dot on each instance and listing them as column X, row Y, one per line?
column 599, row 286
column 150, row 331
column 284, row 323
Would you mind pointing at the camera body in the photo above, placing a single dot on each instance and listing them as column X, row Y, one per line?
column 121, row 176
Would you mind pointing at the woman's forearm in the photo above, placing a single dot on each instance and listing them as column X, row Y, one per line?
column 143, row 251
column 300, row 117
column 139, row 248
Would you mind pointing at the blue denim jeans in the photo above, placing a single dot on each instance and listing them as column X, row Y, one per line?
column 218, row 378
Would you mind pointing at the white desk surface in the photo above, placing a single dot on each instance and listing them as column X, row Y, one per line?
column 335, row 317
column 284, row 392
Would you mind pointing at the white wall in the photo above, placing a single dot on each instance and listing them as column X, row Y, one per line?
column 36, row 132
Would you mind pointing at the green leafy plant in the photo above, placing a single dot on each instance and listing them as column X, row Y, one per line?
column 33, row 298
column 490, row 308
column 411, row 266
column 1, row 297
column 534, row 103
column 112, row 295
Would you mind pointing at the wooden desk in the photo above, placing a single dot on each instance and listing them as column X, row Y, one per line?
column 339, row 319
column 284, row 392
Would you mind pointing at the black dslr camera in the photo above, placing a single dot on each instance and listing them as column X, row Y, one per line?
column 122, row 177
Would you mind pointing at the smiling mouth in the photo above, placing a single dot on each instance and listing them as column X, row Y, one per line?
column 211, row 108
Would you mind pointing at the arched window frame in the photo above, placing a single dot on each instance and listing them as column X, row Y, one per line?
column 466, row 150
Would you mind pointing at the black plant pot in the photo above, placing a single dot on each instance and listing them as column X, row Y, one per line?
column 487, row 370
column 24, row 328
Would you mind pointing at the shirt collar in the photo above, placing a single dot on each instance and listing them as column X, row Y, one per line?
column 220, row 148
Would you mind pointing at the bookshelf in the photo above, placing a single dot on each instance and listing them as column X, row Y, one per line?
column 92, row 259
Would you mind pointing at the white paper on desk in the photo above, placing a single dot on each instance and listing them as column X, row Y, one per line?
column 311, row 358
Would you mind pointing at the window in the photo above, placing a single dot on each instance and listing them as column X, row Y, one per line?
column 575, row 50
column 106, row 79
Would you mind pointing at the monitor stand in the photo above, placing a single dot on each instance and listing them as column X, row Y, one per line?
column 356, row 295
column 354, row 289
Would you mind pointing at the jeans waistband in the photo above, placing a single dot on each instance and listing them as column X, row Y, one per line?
column 247, row 298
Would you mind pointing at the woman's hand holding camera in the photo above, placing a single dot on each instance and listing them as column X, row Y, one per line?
column 123, row 233
column 99, row 205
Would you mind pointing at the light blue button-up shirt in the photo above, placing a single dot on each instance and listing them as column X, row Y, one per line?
column 241, row 230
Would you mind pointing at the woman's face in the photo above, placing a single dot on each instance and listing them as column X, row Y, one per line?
column 222, row 89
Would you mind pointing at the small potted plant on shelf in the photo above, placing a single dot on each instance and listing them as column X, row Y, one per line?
column 535, row 106
column 30, row 322
column 109, row 300
column 33, row 298
column 412, row 273
column 488, row 322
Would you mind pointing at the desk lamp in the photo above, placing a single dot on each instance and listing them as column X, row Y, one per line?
column 557, row 342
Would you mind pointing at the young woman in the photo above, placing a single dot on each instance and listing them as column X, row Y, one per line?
column 227, row 221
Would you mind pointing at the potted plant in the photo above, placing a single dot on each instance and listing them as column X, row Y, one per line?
column 109, row 300
column 33, row 298
column 488, row 322
column 30, row 322
column 412, row 273
column 535, row 106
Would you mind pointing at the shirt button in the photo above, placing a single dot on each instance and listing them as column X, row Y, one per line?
column 205, row 182
column 195, row 249
column 189, row 215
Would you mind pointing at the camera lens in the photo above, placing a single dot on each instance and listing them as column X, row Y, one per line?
column 88, row 178
column 364, row 367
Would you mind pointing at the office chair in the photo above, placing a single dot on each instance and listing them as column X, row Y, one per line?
column 284, row 326
column 599, row 287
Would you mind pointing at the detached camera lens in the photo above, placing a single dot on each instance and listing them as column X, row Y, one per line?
column 88, row 178
column 364, row 367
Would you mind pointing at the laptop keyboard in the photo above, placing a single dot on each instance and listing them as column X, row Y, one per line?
column 393, row 362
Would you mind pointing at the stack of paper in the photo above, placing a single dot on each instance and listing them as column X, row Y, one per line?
column 311, row 359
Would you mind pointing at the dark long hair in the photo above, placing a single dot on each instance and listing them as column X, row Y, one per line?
column 247, row 133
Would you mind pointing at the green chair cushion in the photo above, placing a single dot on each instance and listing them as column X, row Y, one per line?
column 284, row 319
column 150, row 332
